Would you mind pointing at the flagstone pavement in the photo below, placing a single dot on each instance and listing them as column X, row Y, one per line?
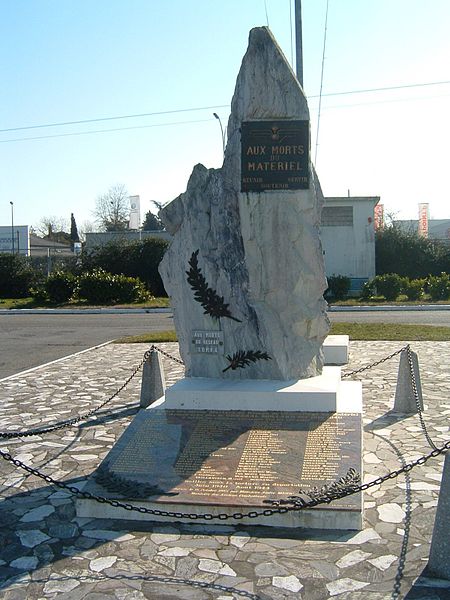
column 47, row 552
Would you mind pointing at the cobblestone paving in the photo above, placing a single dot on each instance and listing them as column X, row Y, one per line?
column 46, row 552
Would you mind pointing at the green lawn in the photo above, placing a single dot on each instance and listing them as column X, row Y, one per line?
column 356, row 331
column 32, row 303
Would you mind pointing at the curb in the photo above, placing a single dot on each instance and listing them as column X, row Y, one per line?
column 81, row 311
column 385, row 308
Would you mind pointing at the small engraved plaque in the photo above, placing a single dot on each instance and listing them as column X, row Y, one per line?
column 207, row 342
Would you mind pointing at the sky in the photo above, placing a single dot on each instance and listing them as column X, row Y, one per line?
column 175, row 63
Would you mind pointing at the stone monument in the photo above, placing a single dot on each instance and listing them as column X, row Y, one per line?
column 258, row 418
column 250, row 232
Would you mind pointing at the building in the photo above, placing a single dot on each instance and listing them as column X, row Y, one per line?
column 15, row 239
column 348, row 238
column 42, row 247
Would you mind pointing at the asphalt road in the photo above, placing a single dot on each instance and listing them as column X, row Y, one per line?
column 31, row 340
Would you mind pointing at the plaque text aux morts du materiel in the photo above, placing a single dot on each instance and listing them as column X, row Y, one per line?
column 275, row 155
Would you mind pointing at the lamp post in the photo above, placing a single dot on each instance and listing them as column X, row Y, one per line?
column 222, row 131
column 12, row 227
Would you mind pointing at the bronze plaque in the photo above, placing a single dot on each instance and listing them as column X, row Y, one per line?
column 274, row 155
column 239, row 458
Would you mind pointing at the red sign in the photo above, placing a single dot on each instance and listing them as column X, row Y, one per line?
column 378, row 213
column 423, row 219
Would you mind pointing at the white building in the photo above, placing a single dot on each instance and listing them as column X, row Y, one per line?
column 15, row 239
column 348, row 237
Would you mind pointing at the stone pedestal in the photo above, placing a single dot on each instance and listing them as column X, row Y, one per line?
column 335, row 350
column 439, row 562
column 153, row 382
column 324, row 393
column 405, row 402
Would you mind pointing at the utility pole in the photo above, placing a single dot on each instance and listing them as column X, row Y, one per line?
column 298, row 42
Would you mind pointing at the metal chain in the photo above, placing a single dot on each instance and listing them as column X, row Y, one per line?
column 166, row 354
column 70, row 422
column 325, row 498
column 417, row 399
column 375, row 364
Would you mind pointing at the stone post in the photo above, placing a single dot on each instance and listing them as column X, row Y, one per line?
column 439, row 561
column 153, row 380
column 404, row 394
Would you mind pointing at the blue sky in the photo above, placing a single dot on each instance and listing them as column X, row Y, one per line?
column 65, row 60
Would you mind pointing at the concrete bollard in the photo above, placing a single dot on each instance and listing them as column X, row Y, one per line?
column 439, row 561
column 153, row 380
column 404, row 394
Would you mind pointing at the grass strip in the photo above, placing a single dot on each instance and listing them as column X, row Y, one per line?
column 356, row 331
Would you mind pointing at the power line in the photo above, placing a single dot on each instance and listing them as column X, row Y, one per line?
column 321, row 82
column 56, row 135
column 383, row 89
column 168, row 112
column 151, row 114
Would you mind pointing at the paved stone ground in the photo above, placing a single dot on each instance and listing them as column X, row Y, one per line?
column 46, row 552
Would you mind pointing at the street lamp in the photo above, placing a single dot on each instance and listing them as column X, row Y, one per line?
column 222, row 130
column 12, row 226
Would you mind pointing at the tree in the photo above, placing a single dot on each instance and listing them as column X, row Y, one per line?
column 86, row 227
column 408, row 254
column 152, row 222
column 53, row 228
column 112, row 210
column 74, row 237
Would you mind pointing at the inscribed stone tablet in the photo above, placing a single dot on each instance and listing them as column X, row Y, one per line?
column 207, row 342
column 241, row 458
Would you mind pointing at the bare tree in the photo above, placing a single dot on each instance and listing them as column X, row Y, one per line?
column 49, row 227
column 86, row 227
column 112, row 209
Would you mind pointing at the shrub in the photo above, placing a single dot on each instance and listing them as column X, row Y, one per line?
column 134, row 259
column 368, row 290
column 338, row 286
column 413, row 288
column 16, row 276
column 60, row 287
column 439, row 287
column 100, row 287
column 389, row 285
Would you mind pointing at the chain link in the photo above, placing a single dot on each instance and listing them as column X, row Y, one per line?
column 417, row 399
column 375, row 364
column 70, row 422
column 325, row 498
column 166, row 354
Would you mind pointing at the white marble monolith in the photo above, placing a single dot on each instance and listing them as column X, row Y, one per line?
column 405, row 401
column 439, row 561
column 260, row 251
column 153, row 381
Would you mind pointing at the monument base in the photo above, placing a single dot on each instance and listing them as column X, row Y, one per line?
column 324, row 393
column 335, row 350
column 206, row 462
